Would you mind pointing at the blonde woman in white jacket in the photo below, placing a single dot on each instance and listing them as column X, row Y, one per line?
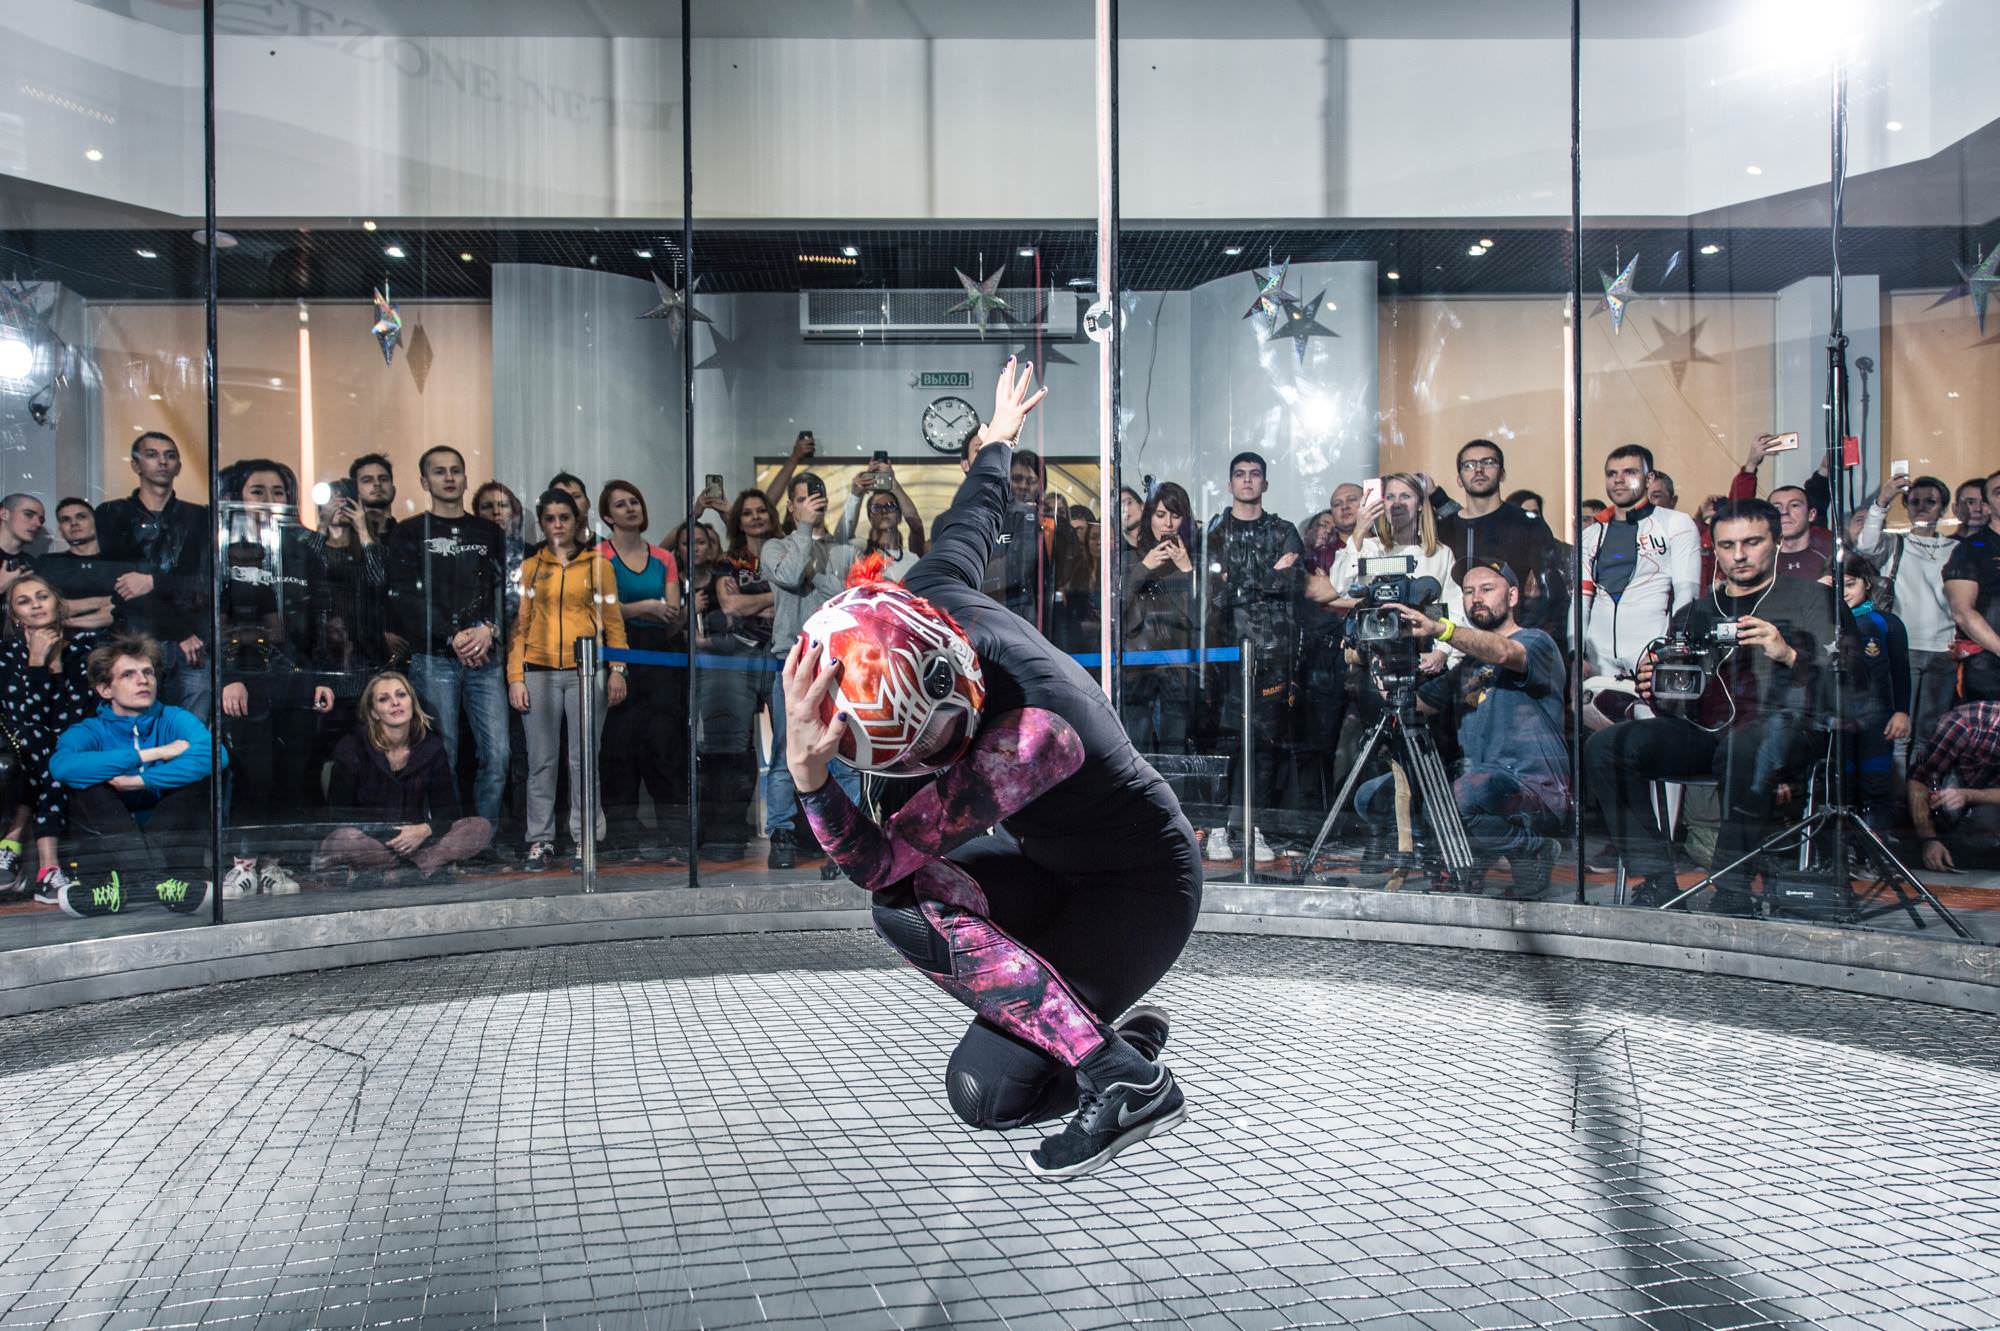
column 1400, row 523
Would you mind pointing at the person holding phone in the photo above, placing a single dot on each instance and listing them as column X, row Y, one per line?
column 1912, row 586
column 1159, row 583
column 889, row 509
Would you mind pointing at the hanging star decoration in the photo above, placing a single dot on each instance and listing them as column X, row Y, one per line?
column 388, row 327
column 675, row 309
column 1272, row 299
column 1977, row 282
column 1617, row 291
column 983, row 299
column 1300, row 323
column 1677, row 351
column 19, row 310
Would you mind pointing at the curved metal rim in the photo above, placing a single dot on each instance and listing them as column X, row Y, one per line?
column 1887, row 965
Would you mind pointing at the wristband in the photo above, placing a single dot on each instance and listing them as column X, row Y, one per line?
column 1925, row 841
column 1445, row 629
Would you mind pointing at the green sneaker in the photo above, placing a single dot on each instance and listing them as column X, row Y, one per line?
column 86, row 899
column 180, row 894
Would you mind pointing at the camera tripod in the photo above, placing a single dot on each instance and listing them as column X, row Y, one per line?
column 1446, row 854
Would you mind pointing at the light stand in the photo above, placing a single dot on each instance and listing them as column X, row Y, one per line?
column 1837, row 815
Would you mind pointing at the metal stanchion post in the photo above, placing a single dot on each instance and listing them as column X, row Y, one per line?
column 583, row 784
column 1249, row 767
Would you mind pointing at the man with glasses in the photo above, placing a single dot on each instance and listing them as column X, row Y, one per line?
column 1972, row 589
column 1488, row 529
column 1912, row 565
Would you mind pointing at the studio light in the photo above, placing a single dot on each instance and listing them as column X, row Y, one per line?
column 17, row 358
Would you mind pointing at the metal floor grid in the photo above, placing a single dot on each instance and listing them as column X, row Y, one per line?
column 751, row 1131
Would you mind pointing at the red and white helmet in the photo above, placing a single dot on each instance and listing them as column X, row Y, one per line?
column 910, row 682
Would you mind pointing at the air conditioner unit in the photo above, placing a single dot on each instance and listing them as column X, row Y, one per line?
column 919, row 316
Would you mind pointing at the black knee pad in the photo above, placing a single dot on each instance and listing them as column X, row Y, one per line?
column 906, row 929
column 989, row 1098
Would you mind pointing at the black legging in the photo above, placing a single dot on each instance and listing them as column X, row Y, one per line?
column 1109, row 921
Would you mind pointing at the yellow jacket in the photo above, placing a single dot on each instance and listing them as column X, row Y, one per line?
column 559, row 604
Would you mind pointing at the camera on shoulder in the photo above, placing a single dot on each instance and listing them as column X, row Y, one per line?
column 1681, row 670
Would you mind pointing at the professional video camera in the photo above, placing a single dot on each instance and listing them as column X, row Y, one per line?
column 1681, row 670
column 1386, row 582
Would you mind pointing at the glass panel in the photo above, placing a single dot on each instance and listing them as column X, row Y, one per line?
column 101, row 344
column 440, row 305
column 1764, row 789
column 1325, row 307
column 852, row 284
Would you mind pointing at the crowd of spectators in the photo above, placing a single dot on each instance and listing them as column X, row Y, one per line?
column 399, row 694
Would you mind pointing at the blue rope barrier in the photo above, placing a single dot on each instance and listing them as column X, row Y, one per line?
column 769, row 665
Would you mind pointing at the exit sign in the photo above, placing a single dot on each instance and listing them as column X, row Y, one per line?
column 944, row 379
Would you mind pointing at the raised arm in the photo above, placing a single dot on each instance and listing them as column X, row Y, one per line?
column 961, row 543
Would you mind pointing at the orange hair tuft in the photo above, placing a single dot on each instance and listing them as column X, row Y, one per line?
column 867, row 570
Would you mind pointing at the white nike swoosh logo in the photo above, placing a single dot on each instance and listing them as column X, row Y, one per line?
column 1127, row 1117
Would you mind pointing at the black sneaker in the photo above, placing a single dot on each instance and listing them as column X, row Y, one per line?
column 1107, row 1121
column 184, row 895
column 84, row 900
column 1145, row 1028
column 13, row 872
column 784, row 850
column 1531, row 872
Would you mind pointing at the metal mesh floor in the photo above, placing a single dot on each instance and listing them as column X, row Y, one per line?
column 737, row 1132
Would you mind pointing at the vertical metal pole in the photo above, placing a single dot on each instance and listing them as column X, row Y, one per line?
column 687, row 447
column 1249, row 766
column 1112, row 544
column 213, row 664
column 584, row 783
column 1577, row 731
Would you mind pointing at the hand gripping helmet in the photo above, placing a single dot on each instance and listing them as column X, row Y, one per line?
column 910, row 682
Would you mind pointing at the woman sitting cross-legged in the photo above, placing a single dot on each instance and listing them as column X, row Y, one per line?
column 393, row 790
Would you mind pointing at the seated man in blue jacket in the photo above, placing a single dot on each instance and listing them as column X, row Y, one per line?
column 138, row 779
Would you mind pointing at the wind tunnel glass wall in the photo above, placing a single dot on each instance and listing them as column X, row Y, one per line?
column 880, row 224
column 1708, row 256
column 435, row 310
column 1331, row 286
column 101, row 341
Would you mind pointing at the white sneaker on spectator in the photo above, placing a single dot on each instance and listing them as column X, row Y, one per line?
column 241, row 880
column 1261, row 849
column 1218, row 844
column 52, row 884
column 274, row 879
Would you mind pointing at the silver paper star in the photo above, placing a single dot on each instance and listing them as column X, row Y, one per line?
column 1300, row 323
column 674, row 308
column 982, row 299
column 1617, row 290
column 388, row 327
column 1977, row 282
column 1677, row 351
column 1272, row 298
column 18, row 308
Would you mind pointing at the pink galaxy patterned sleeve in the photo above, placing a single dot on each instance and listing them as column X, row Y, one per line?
column 1014, row 759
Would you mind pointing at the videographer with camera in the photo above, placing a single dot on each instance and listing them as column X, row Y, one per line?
column 1505, row 699
column 1738, row 677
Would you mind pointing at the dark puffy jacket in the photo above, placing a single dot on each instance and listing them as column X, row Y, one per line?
column 365, row 790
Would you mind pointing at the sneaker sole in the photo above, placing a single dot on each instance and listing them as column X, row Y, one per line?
column 1090, row 1164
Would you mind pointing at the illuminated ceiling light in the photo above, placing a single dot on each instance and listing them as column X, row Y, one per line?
column 643, row 254
column 1711, row 249
column 1026, row 251
column 394, row 251
column 465, row 256
column 1485, row 244
column 93, row 155
column 1475, row 251
column 276, row 382
column 1232, row 250
column 17, row 358
column 850, row 251
column 1951, row 392
column 156, row 397
column 1753, row 170
column 1082, row 282
column 223, row 240
column 368, row 225
column 1894, row 127
column 1393, row 275
column 837, row 260
column 147, row 254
